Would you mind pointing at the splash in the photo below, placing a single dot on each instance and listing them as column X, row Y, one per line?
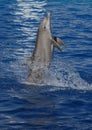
column 60, row 74
column 66, row 76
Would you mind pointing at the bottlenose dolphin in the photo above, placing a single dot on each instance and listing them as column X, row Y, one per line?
column 43, row 52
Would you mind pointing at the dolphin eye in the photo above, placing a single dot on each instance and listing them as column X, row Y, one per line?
column 44, row 27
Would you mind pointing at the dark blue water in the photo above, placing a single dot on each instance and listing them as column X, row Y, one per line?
column 64, row 101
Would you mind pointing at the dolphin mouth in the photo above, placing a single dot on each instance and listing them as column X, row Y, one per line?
column 48, row 15
column 48, row 21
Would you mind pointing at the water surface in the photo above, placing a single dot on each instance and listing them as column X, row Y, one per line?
column 64, row 101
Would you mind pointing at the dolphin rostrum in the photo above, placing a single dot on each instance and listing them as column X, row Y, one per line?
column 43, row 52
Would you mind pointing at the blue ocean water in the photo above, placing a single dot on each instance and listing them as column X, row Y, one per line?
column 64, row 101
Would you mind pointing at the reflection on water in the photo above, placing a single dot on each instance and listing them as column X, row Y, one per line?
column 27, row 14
column 30, row 9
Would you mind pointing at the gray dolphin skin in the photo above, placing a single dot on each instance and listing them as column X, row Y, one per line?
column 43, row 52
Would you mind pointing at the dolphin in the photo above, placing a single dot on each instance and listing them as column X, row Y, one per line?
column 43, row 51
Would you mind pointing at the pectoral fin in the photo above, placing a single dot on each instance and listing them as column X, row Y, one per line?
column 58, row 40
column 56, row 44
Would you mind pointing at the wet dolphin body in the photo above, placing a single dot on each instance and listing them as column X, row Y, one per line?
column 43, row 51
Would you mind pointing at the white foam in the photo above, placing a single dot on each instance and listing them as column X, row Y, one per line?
column 60, row 75
column 66, row 76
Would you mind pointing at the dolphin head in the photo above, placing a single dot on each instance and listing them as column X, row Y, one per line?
column 45, row 24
